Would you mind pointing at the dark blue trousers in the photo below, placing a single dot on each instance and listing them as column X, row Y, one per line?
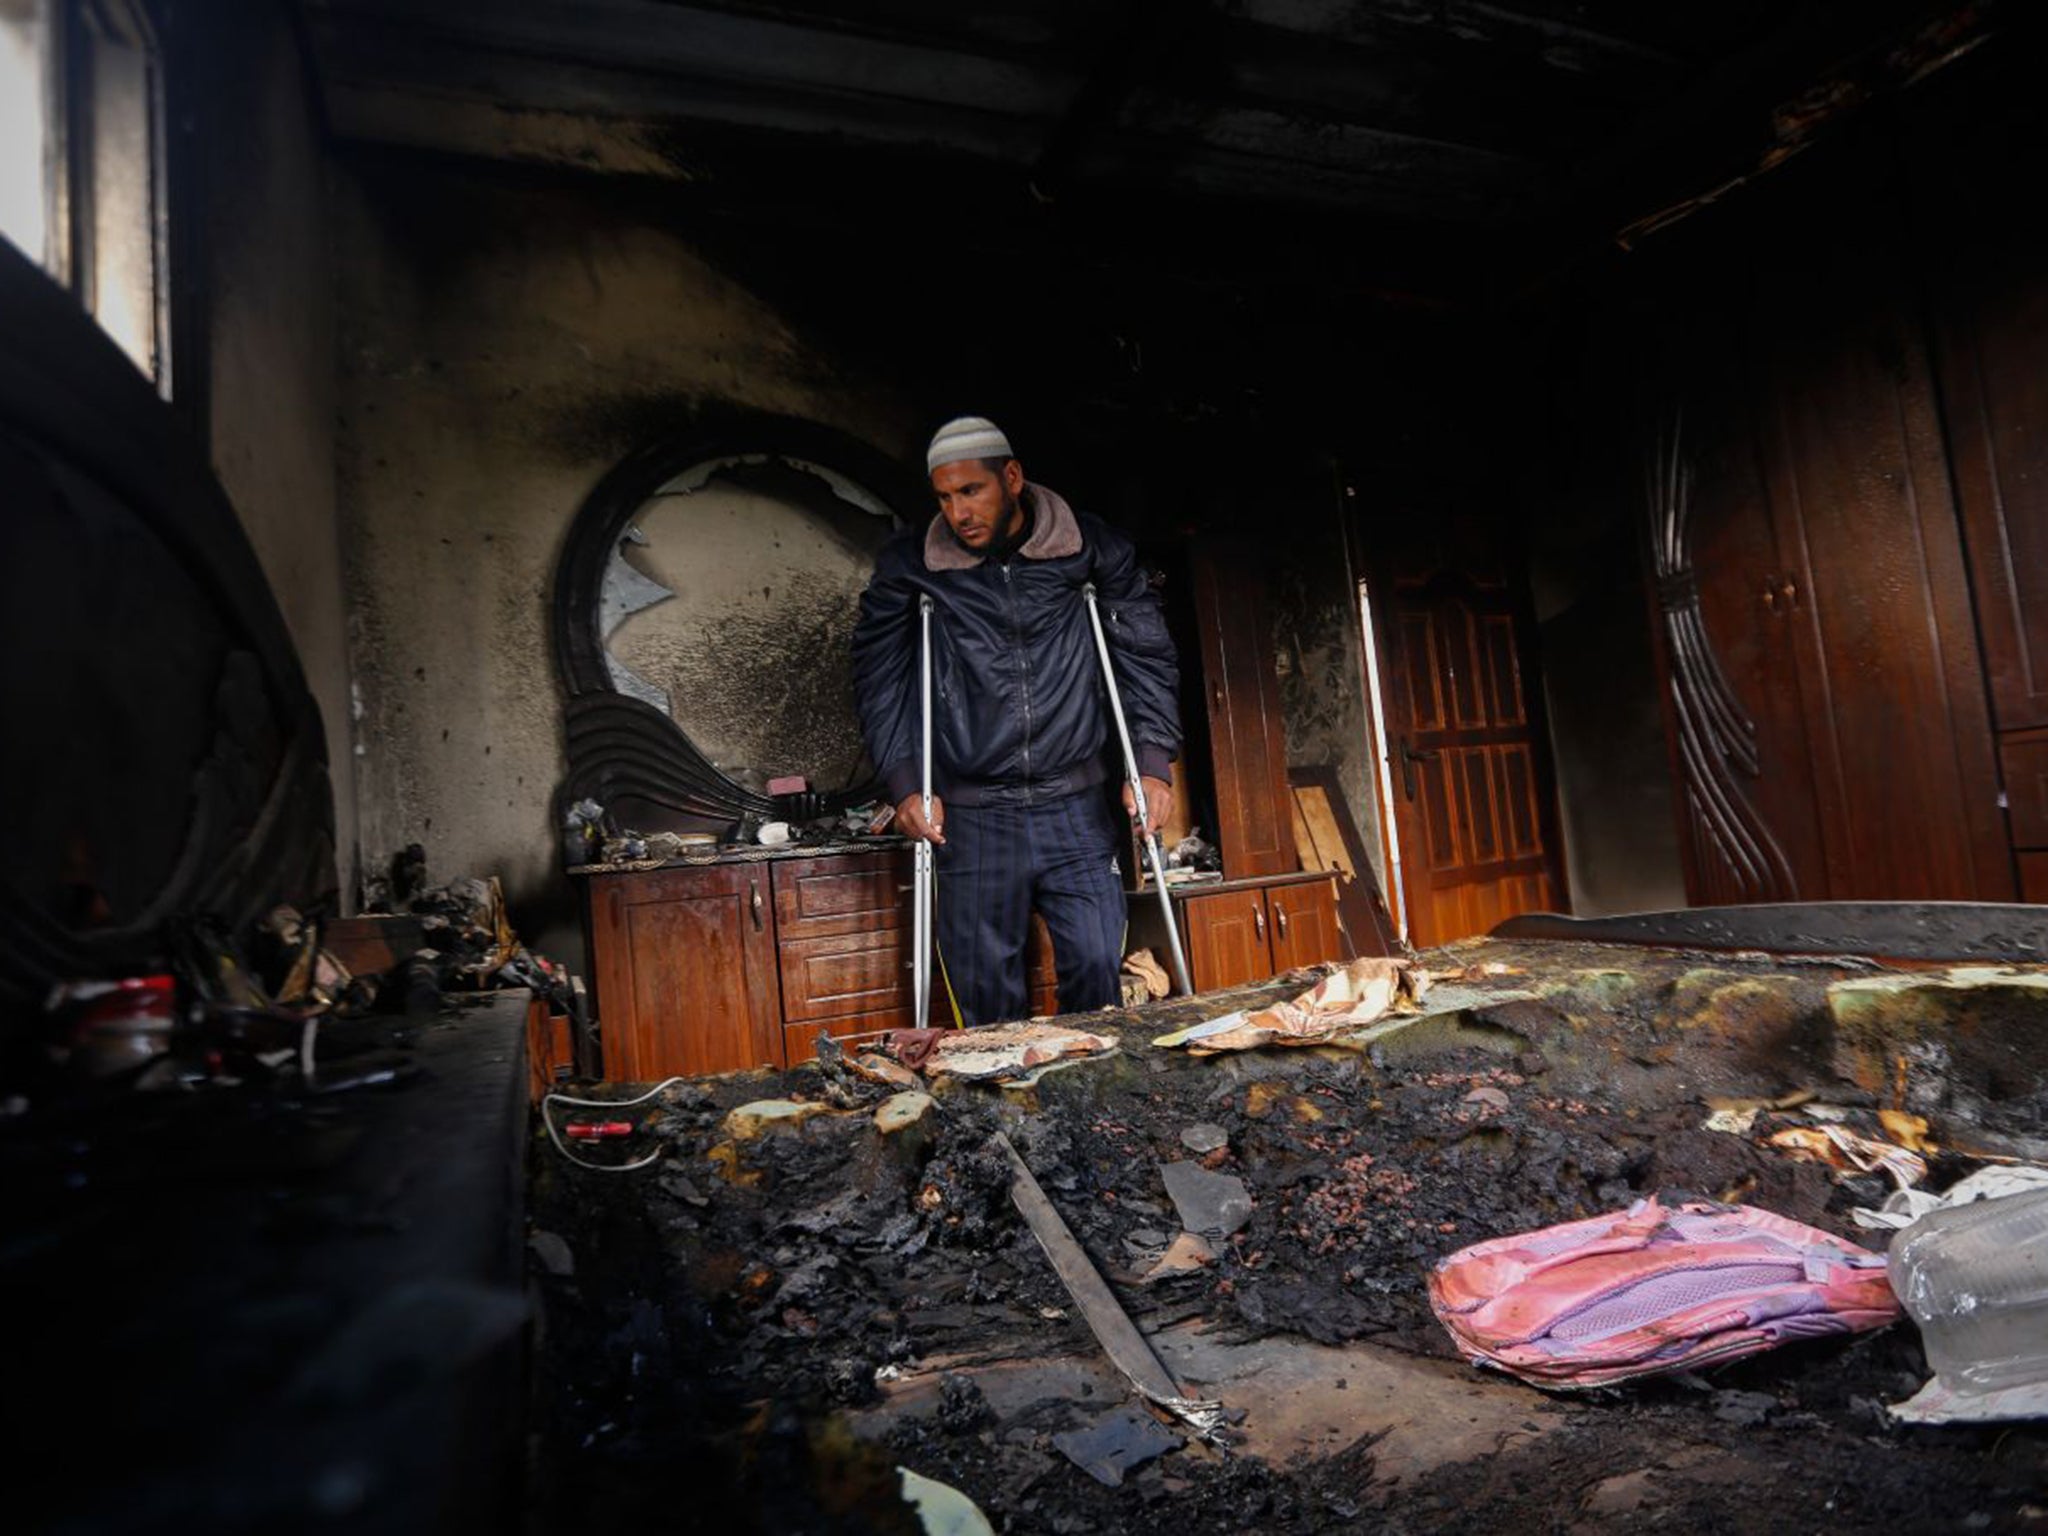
column 999, row 861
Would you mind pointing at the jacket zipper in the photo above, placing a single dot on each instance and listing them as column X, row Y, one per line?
column 1023, row 664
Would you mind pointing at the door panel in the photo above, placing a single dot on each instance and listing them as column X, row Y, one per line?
column 1988, row 258
column 1226, row 939
column 1749, row 825
column 1304, row 921
column 1254, row 824
column 686, row 978
column 1882, row 633
column 1472, row 787
column 2026, row 787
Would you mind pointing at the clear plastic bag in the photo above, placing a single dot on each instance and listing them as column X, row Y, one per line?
column 1975, row 1278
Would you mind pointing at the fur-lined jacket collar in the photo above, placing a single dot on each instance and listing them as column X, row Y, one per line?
column 1055, row 534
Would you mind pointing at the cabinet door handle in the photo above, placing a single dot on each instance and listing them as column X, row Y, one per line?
column 754, row 894
column 1280, row 919
column 1259, row 920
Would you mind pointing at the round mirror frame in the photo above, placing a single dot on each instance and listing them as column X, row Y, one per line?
column 620, row 747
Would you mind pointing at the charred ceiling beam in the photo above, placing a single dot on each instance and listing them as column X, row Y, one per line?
column 1118, row 68
column 692, row 47
column 384, row 85
column 1220, row 105
column 1758, row 108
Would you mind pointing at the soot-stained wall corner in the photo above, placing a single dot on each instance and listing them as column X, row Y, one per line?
column 503, row 345
column 264, row 280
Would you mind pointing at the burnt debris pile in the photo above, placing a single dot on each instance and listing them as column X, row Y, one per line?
column 826, row 1273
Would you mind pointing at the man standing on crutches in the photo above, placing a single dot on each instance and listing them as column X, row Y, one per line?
column 1051, row 677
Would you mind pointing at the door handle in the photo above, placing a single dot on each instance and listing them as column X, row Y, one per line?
column 1280, row 920
column 754, row 895
column 1259, row 920
column 1409, row 758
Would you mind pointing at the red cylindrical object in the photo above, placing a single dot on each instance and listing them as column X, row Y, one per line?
column 591, row 1130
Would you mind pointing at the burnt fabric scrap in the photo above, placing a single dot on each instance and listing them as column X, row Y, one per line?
column 1653, row 1290
column 1361, row 994
column 1010, row 1052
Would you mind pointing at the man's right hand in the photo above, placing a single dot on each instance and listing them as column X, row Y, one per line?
column 911, row 822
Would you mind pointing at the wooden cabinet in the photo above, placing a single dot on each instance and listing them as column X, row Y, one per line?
column 1304, row 924
column 1250, row 930
column 1822, row 667
column 684, row 961
column 719, row 967
column 1226, row 937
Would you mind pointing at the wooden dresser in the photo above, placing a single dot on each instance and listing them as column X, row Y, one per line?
column 743, row 960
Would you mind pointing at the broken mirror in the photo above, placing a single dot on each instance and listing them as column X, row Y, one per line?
column 728, row 602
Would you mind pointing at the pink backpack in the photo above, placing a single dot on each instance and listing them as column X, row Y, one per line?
column 1654, row 1289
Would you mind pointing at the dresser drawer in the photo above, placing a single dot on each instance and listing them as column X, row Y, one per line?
column 845, row 893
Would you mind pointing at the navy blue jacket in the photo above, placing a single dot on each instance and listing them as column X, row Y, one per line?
column 1019, row 709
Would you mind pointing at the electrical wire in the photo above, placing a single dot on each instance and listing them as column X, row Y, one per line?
column 555, row 1136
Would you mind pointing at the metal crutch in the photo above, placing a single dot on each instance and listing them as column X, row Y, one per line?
column 921, row 899
column 1123, row 736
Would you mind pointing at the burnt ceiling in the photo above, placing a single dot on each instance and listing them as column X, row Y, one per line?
column 1445, row 121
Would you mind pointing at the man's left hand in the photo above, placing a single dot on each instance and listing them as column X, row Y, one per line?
column 1158, row 801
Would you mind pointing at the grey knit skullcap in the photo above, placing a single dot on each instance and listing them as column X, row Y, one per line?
column 966, row 437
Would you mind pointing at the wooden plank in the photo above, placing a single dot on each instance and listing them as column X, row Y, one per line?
column 1112, row 1327
column 1312, row 806
column 1361, row 906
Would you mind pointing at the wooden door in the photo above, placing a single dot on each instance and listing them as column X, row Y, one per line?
column 1749, row 825
column 1986, row 253
column 1825, row 683
column 1247, row 740
column 685, row 967
column 1304, row 924
column 1227, row 939
column 1991, row 309
column 1472, row 783
column 1873, row 594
